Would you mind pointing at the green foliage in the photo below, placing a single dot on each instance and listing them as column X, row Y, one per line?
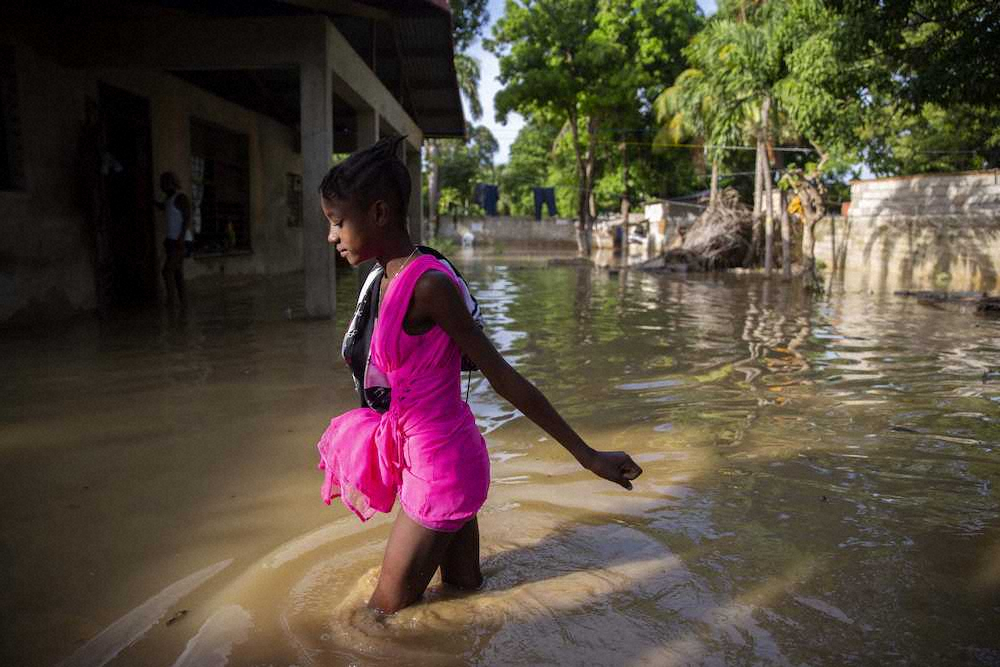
column 468, row 72
column 593, row 66
column 934, row 139
column 945, row 52
column 445, row 246
column 785, row 51
column 588, row 56
column 531, row 155
column 461, row 164
column 469, row 17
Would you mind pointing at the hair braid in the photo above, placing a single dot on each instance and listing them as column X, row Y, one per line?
column 371, row 174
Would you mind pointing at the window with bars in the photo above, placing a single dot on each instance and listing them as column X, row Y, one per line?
column 223, row 183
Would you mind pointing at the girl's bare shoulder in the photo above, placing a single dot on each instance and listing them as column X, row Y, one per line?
column 434, row 293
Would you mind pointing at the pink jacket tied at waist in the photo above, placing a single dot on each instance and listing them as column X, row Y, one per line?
column 375, row 467
column 426, row 448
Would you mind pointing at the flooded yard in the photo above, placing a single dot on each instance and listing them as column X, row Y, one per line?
column 819, row 487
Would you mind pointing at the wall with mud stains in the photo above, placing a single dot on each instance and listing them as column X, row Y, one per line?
column 47, row 246
column 934, row 232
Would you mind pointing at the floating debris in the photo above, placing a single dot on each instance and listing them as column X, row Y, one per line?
column 718, row 239
column 177, row 616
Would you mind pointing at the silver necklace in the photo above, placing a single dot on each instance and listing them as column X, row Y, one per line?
column 405, row 262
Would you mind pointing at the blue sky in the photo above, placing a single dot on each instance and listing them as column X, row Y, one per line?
column 488, row 85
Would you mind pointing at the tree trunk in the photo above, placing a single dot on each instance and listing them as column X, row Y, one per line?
column 713, row 197
column 809, row 253
column 582, row 223
column 758, row 194
column 813, row 210
column 768, row 190
column 626, row 202
column 758, row 199
column 433, row 186
column 768, row 223
column 786, row 239
column 590, row 204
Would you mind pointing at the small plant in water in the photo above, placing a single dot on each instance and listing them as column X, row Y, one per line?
column 443, row 245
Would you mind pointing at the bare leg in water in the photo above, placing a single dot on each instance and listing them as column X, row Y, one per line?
column 173, row 272
column 414, row 553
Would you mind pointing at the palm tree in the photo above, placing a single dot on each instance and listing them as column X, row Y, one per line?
column 468, row 72
column 744, row 57
column 685, row 111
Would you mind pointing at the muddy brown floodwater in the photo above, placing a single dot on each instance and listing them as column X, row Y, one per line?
column 820, row 483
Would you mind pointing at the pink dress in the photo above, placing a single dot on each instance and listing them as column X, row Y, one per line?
column 426, row 449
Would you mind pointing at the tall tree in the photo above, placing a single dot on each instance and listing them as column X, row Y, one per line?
column 748, row 59
column 579, row 61
column 941, row 51
column 468, row 18
column 823, row 99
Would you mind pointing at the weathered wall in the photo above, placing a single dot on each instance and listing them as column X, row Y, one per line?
column 510, row 231
column 276, row 246
column 46, row 251
column 919, row 232
column 46, row 255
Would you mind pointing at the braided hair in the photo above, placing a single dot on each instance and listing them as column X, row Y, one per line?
column 371, row 174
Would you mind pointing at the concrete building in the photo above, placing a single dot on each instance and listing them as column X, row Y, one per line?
column 246, row 102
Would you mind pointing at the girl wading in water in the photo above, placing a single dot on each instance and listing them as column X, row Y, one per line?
column 417, row 439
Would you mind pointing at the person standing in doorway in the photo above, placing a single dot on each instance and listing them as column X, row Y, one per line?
column 178, row 211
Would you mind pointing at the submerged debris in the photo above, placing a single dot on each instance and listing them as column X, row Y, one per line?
column 719, row 239
column 931, row 295
column 989, row 305
column 178, row 616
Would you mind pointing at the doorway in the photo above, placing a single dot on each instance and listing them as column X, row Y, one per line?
column 127, row 171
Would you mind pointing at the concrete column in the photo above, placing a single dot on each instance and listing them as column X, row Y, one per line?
column 368, row 126
column 368, row 134
column 319, row 259
column 415, row 210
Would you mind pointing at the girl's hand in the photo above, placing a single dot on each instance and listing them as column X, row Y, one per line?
column 617, row 467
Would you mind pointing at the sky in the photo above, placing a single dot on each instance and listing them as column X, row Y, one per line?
column 488, row 85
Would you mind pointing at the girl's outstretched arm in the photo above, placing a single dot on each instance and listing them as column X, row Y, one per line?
column 436, row 300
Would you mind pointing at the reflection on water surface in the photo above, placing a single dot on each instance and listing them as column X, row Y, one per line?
column 818, row 488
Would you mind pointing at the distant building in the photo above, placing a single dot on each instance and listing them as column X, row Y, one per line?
column 245, row 101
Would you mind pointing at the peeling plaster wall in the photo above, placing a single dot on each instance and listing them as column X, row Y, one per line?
column 46, row 249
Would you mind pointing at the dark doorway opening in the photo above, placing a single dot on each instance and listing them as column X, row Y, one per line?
column 128, row 181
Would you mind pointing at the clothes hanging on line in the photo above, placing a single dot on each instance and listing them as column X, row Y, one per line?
column 487, row 195
column 547, row 197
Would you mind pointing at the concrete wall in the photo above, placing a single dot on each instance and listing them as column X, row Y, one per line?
column 46, row 252
column 511, row 231
column 276, row 246
column 919, row 232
